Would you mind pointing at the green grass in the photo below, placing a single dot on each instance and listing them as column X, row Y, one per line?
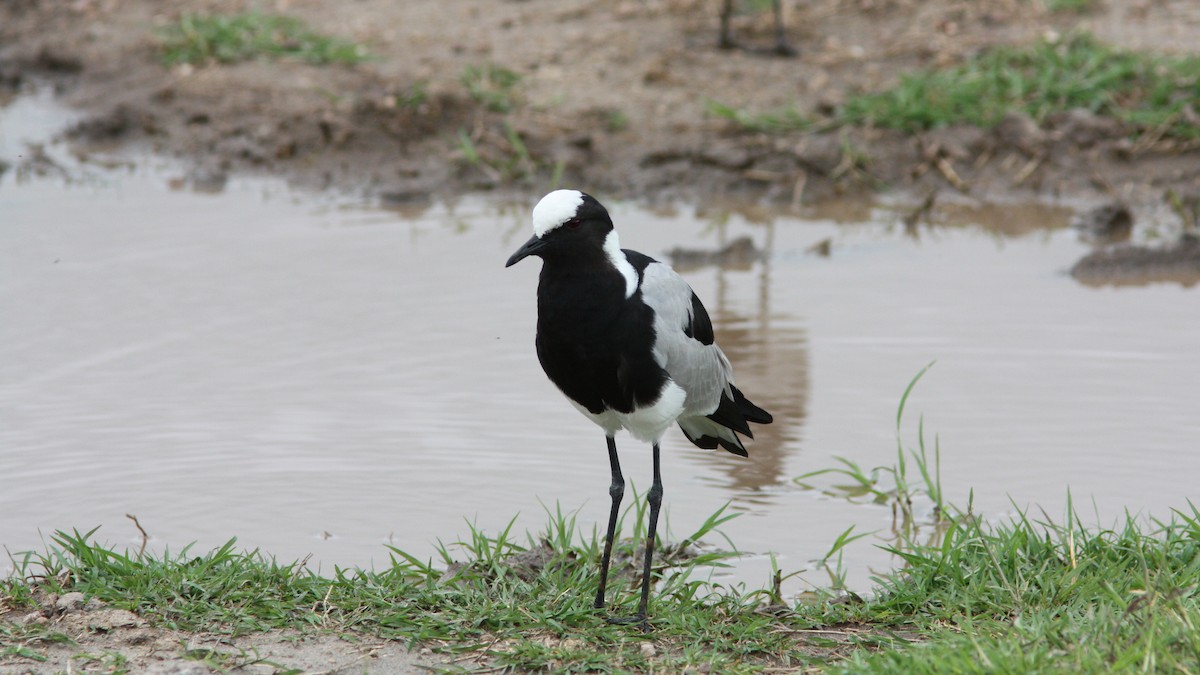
column 1145, row 91
column 492, row 86
column 501, row 157
column 1152, row 94
column 1029, row 596
column 1023, row 594
column 893, row 484
column 1019, row 596
column 779, row 121
column 414, row 96
column 527, row 604
column 229, row 38
column 1071, row 6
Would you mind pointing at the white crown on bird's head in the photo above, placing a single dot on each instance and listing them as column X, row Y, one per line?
column 555, row 209
column 573, row 208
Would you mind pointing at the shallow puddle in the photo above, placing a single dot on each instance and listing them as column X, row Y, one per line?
column 322, row 375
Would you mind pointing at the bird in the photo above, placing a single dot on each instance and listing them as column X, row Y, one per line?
column 630, row 345
column 725, row 37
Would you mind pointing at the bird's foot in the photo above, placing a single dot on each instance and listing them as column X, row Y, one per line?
column 640, row 621
column 781, row 49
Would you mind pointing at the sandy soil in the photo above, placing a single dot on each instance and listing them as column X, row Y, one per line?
column 81, row 635
column 613, row 93
column 105, row 640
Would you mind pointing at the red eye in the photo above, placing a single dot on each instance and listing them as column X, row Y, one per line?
column 574, row 223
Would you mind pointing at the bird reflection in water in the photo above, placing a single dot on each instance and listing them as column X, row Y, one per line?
column 771, row 353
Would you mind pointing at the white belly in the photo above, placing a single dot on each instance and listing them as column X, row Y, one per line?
column 647, row 423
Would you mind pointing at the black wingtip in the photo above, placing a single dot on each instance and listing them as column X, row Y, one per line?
column 751, row 412
column 734, row 414
column 712, row 443
column 737, row 412
column 735, row 449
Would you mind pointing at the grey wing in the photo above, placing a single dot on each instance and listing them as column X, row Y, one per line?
column 684, row 344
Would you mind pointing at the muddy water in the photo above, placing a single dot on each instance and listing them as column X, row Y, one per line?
column 323, row 375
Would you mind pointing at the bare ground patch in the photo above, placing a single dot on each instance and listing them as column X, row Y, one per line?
column 612, row 96
column 69, row 634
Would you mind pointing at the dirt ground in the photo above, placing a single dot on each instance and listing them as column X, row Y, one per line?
column 101, row 639
column 613, row 95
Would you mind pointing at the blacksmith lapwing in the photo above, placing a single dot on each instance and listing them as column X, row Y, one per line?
column 631, row 346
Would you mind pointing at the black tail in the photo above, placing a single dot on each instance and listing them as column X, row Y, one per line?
column 751, row 412
column 734, row 414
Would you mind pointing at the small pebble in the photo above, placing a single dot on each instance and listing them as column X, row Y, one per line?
column 69, row 602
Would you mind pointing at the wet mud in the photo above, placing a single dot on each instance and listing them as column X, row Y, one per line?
column 613, row 96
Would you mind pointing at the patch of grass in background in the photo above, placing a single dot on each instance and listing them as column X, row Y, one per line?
column 616, row 121
column 229, row 38
column 1152, row 94
column 783, row 120
column 500, row 157
column 1146, row 91
column 1072, row 6
column 413, row 97
column 492, row 86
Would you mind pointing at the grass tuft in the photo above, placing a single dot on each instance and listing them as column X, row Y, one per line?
column 1154, row 95
column 492, row 86
column 780, row 121
column 1029, row 595
column 501, row 155
column 892, row 484
column 229, row 38
column 1145, row 91
column 1071, row 6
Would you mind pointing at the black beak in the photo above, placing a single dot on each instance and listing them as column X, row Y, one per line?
column 529, row 248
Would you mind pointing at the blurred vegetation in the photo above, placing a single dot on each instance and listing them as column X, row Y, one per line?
column 1076, row 6
column 1143, row 90
column 492, row 86
column 1149, row 93
column 229, row 38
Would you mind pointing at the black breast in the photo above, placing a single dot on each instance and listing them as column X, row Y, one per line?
column 593, row 342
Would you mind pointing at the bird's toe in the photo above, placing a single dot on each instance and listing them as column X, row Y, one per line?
column 640, row 622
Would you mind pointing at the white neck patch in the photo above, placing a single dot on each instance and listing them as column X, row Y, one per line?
column 555, row 209
column 612, row 248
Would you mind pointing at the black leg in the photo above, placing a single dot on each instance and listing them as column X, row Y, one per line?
column 726, row 38
column 616, row 490
column 654, row 499
column 781, row 44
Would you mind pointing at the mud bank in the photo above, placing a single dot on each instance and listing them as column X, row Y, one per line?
column 615, row 96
